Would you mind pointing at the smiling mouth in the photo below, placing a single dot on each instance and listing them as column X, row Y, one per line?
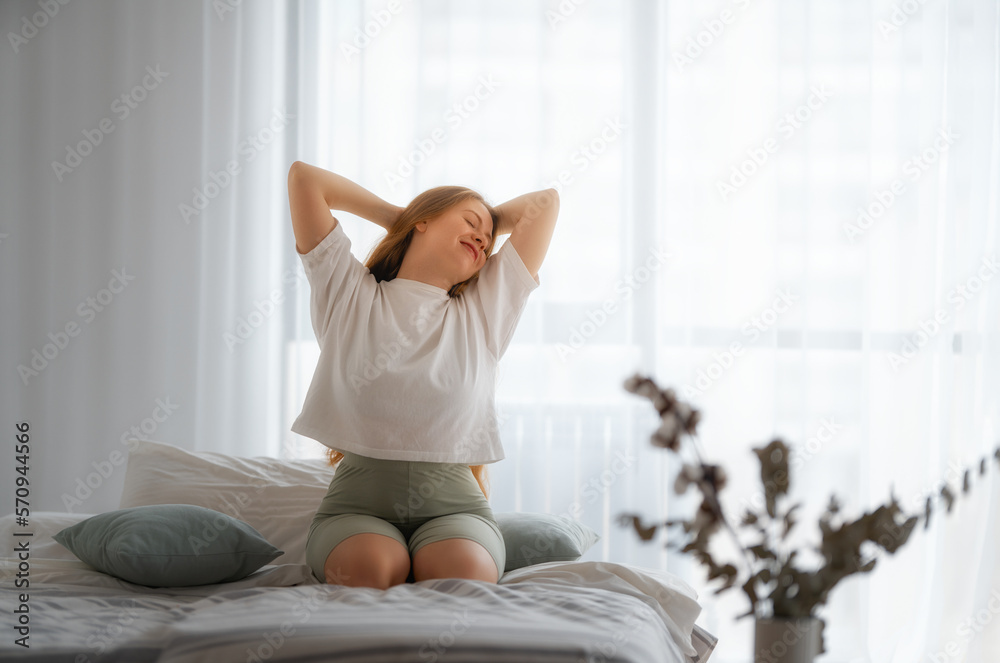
column 475, row 255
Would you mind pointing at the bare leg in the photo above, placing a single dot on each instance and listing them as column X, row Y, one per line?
column 368, row 560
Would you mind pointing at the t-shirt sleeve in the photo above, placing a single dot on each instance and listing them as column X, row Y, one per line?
column 335, row 278
column 502, row 288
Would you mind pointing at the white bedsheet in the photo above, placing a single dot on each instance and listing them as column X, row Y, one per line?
column 559, row 611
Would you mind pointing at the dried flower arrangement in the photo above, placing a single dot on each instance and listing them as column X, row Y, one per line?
column 775, row 586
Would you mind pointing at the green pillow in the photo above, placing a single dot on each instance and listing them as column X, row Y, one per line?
column 536, row 538
column 169, row 545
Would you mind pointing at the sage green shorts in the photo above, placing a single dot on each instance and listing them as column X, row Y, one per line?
column 413, row 502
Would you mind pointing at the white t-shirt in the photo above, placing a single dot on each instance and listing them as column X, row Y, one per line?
column 406, row 372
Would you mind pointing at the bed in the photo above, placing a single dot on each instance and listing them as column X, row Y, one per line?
column 551, row 608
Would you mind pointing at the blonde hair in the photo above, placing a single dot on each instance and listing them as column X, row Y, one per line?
column 387, row 257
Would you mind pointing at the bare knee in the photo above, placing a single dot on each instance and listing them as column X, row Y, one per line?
column 368, row 560
column 454, row 558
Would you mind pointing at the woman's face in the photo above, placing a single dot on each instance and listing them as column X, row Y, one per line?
column 460, row 237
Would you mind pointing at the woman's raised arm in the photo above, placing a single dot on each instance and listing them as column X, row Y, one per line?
column 530, row 219
column 313, row 192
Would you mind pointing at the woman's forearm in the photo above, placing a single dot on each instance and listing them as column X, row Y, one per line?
column 341, row 193
column 526, row 206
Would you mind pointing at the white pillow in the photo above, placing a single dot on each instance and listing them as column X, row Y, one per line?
column 278, row 498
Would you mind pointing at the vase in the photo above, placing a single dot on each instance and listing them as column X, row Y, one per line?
column 788, row 640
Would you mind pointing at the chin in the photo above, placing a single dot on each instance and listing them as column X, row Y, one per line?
column 464, row 279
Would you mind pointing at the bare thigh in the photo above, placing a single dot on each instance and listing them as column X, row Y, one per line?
column 454, row 558
column 368, row 560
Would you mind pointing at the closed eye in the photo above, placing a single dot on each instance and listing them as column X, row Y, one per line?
column 471, row 224
column 474, row 227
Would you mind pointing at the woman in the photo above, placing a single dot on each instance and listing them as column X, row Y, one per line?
column 403, row 392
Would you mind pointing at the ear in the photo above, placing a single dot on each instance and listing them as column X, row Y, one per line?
column 421, row 226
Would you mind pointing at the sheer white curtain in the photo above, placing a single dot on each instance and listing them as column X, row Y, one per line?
column 654, row 267
column 159, row 241
column 868, row 141
column 714, row 160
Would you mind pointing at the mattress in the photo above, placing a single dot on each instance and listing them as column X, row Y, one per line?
column 552, row 612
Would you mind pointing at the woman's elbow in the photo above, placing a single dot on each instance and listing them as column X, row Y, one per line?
column 549, row 200
column 296, row 171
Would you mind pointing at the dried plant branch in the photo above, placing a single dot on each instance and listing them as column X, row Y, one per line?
column 770, row 579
